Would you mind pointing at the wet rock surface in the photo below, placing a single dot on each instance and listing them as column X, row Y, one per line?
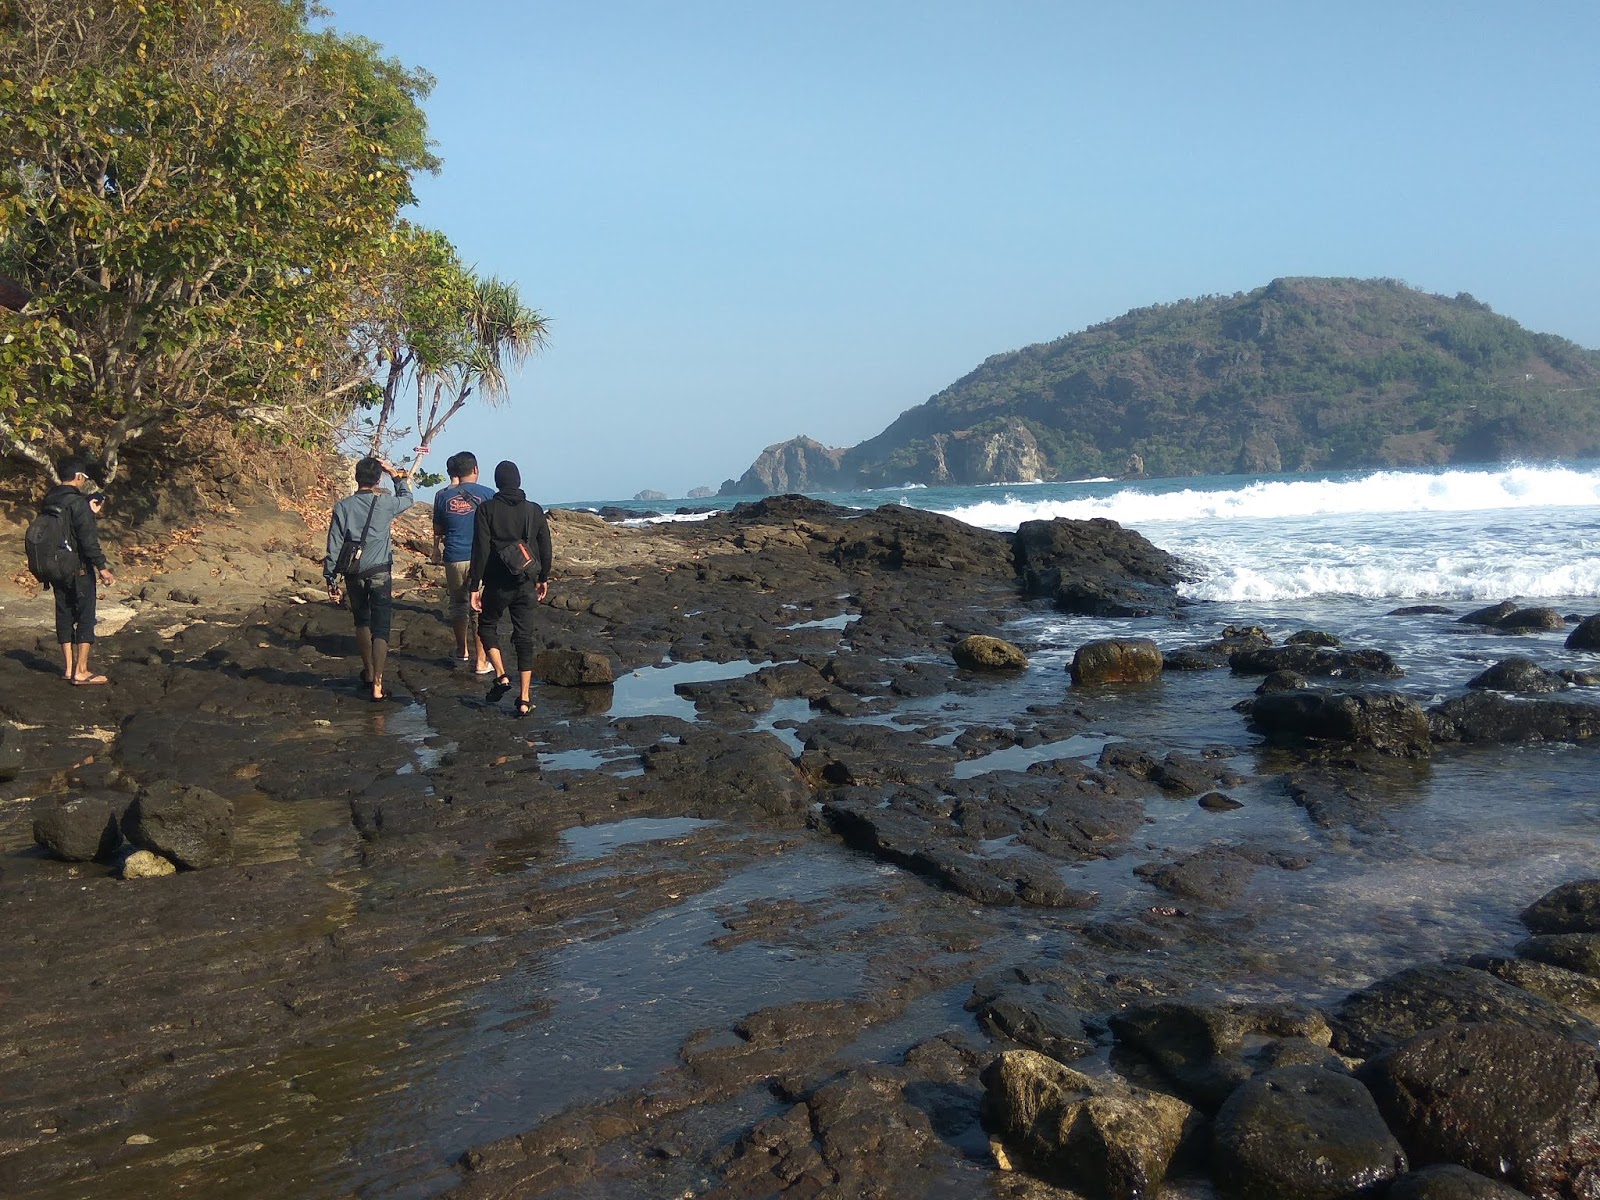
column 1304, row 1133
column 1512, row 1104
column 752, row 918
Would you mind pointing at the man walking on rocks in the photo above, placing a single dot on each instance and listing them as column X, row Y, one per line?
column 455, row 511
column 76, row 596
column 510, row 572
column 360, row 561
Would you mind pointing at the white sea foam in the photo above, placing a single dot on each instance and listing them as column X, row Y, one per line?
column 1378, row 493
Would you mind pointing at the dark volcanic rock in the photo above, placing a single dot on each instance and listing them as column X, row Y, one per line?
column 1578, row 952
column 1494, row 717
column 1201, row 1048
column 1312, row 637
column 1116, row 660
column 1450, row 1182
column 1420, row 610
column 1100, row 1136
column 1281, row 681
column 1303, row 1133
column 190, row 825
column 1518, row 674
column 1571, row 908
column 1586, row 636
column 10, row 755
column 1532, row 618
column 1400, row 1006
column 80, row 828
column 1312, row 660
column 1510, row 1103
column 1378, row 720
column 709, row 771
column 1571, row 990
column 1095, row 567
column 1491, row 615
column 572, row 668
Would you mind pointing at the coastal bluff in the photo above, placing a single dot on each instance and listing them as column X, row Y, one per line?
column 1301, row 374
column 804, row 901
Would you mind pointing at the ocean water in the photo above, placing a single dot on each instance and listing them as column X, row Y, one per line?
column 1333, row 538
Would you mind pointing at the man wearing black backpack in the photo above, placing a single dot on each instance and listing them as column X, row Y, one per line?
column 360, row 562
column 509, row 573
column 64, row 554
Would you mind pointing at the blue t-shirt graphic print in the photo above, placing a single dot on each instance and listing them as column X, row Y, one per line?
column 454, row 509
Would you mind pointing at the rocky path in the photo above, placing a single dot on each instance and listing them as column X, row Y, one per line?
column 759, row 933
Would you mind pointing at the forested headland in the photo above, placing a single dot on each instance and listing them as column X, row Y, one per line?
column 204, row 203
column 1301, row 374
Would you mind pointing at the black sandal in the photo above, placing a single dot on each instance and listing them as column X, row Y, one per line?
column 522, row 708
column 497, row 691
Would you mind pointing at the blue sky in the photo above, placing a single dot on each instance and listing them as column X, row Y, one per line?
column 747, row 221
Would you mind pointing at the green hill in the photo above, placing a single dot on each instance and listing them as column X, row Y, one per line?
column 1300, row 374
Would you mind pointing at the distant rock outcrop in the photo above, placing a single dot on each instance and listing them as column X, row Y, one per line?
column 798, row 465
column 649, row 494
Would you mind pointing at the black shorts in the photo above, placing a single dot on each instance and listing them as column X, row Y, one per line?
column 372, row 602
column 75, row 601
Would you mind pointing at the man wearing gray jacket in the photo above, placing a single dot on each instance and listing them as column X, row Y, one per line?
column 360, row 561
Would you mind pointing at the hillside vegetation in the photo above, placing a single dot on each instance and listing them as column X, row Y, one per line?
column 1301, row 374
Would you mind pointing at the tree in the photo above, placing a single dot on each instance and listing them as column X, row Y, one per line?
column 197, row 192
column 444, row 332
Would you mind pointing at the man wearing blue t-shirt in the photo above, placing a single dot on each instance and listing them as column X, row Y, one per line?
column 455, row 508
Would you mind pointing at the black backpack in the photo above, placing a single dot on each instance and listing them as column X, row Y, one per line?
column 52, row 557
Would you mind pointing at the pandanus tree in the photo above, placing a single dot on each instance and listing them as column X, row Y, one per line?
column 453, row 335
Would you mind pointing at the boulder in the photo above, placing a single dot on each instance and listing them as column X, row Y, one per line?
column 1201, row 1048
column 1116, row 660
column 1532, row 618
column 190, row 825
column 1099, row 1136
column 1586, row 636
column 142, row 864
column 1282, row 681
column 1312, row 637
column 1518, row 674
column 1446, row 1181
column 1379, row 720
column 10, row 754
column 572, row 668
column 1571, row 908
column 981, row 653
column 1492, row 615
column 1312, row 660
column 80, row 828
column 1303, row 1133
column 1578, row 952
column 1095, row 567
column 1485, row 716
column 1510, row 1103
column 1398, row 1007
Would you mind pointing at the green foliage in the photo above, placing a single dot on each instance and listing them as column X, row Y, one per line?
column 1321, row 372
column 203, row 196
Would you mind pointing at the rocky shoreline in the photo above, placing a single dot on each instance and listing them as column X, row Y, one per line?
column 889, row 874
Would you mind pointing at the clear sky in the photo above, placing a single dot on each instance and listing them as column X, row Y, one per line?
column 750, row 220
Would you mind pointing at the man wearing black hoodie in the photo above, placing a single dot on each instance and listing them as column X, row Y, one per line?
column 509, row 573
column 75, row 599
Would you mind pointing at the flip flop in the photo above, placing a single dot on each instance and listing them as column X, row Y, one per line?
column 497, row 692
column 90, row 681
